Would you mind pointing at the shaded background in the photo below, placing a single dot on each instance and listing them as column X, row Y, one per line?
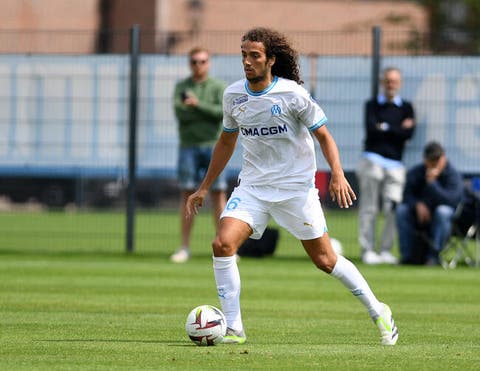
column 64, row 98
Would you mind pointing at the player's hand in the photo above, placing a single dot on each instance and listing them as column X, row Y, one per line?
column 194, row 202
column 341, row 191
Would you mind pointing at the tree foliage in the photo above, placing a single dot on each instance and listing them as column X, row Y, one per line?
column 454, row 25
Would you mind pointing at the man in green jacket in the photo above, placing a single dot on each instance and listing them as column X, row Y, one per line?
column 198, row 108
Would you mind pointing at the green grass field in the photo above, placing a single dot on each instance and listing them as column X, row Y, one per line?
column 71, row 298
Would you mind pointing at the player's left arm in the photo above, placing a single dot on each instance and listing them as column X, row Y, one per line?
column 339, row 188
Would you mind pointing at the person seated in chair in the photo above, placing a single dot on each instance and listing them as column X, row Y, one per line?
column 432, row 191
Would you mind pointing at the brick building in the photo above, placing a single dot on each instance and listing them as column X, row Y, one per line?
column 174, row 26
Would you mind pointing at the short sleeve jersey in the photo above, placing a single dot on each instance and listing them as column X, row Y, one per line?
column 274, row 127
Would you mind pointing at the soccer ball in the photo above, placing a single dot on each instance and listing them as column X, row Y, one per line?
column 206, row 325
column 337, row 246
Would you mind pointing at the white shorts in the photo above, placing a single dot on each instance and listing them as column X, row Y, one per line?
column 300, row 213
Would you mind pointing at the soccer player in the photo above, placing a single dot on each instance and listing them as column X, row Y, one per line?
column 275, row 116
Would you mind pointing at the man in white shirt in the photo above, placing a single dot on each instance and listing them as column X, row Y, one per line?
column 389, row 124
column 275, row 116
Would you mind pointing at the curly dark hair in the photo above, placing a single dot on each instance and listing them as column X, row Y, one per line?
column 276, row 44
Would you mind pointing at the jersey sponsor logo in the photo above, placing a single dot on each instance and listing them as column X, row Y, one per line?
column 276, row 110
column 264, row 131
column 240, row 100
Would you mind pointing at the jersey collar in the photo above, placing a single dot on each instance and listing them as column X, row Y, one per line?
column 264, row 91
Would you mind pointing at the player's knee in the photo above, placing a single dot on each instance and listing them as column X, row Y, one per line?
column 325, row 262
column 222, row 247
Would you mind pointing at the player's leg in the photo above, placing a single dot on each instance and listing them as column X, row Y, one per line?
column 303, row 217
column 323, row 256
column 231, row 234
column 243, row 217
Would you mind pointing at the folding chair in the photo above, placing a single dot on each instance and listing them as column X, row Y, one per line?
column 464, row 242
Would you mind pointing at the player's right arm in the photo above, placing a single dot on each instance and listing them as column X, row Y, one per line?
column 221, row 155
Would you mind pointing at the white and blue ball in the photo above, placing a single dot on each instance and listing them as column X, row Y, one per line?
column 206, row 325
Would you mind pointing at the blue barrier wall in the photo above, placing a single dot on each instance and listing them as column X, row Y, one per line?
column 68, row 115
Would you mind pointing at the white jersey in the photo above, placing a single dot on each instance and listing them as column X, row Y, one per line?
column 274, row 125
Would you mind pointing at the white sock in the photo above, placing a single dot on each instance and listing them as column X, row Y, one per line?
column 227, row 277
column 351, row 277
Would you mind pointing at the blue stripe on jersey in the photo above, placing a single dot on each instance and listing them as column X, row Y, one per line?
column 264, row 91
column 230, row 130
column 318, row 124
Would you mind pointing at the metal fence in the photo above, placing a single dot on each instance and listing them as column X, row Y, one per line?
column 64, row 117
column 332, row 43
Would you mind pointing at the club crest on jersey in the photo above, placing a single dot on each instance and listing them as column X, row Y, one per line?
column 276, row 110
column 240, row 100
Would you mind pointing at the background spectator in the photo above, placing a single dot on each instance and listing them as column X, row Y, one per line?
column 389, row 123
column 198, row 109
column 432, row 192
